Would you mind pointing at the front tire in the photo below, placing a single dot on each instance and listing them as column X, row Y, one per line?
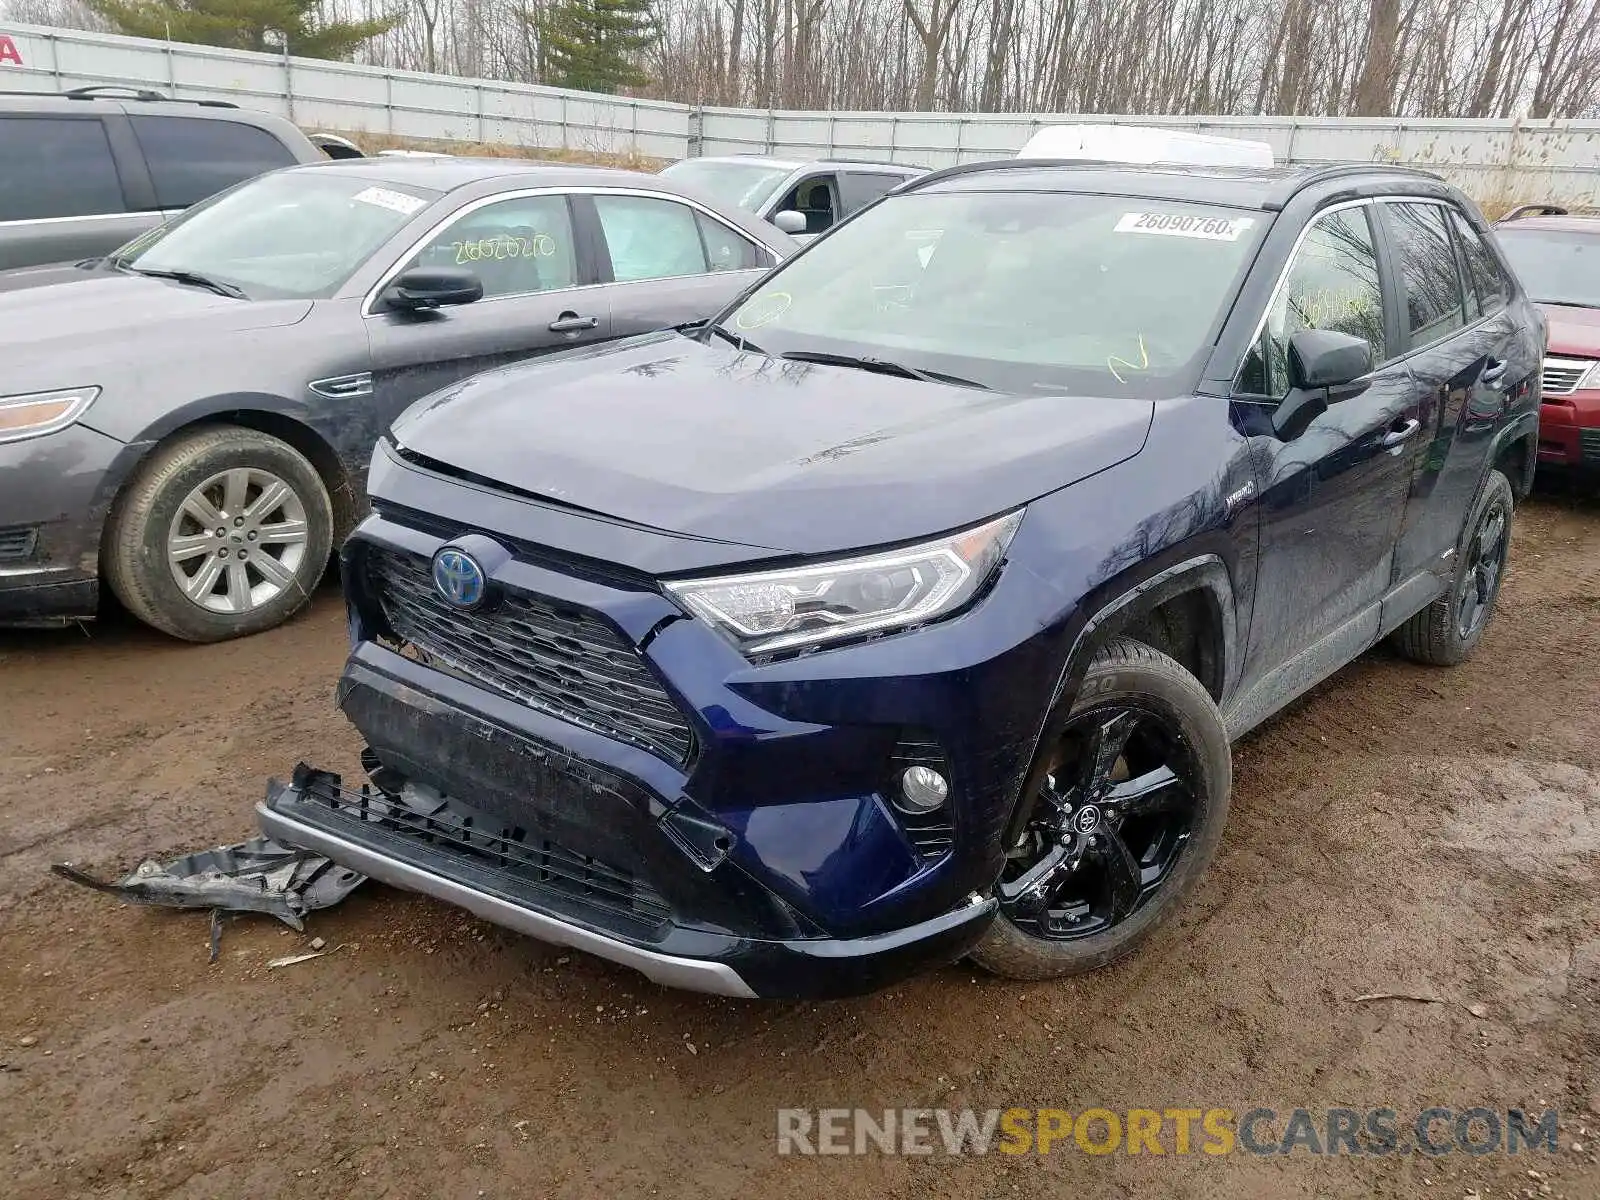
column 1448, row 631
column 1129, row 806
column 223, row 533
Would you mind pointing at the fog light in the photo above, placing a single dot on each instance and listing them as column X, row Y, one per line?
column 922, row 789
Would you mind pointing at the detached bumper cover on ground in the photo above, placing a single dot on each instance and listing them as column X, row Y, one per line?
column 521, row 878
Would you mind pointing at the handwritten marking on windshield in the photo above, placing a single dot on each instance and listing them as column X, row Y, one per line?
column 764, row 310
column 1142, row 365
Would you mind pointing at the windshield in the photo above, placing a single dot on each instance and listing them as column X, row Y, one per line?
column 1017, row 291
column 1555, row 266
column 289, row 235
column 743, row 185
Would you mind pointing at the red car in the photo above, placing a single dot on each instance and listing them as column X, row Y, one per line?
column 1556, row 254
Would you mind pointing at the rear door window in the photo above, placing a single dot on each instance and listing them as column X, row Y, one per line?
column 191, row 158
column 857, row 189
column 649, row 238
column 56, row 167
column 1487, row 285
column 1434, row 305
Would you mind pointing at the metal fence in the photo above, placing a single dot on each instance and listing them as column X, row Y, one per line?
column 1492, row 159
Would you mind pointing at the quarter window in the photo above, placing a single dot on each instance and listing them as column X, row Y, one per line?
column 1332, row 284
column 651, row 239
column 191, row 158
column 514, row 247
column 727, row 250
column 56, row 167
column 1434, row 307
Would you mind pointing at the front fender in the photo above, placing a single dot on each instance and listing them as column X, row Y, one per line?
column 1116, row 608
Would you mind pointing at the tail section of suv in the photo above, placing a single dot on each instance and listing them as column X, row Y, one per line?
column 88, row 170
column 909, row 610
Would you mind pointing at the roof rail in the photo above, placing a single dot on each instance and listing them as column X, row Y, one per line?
column 1535, row 210
column 117, row 91
column 871, row 162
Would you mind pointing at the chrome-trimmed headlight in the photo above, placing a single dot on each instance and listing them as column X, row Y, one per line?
column 768, row 611
column 35, row 414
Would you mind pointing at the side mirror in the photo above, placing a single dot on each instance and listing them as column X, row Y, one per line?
column 1325, row 367
column 432, row 287
column 1323, row 358
column 790, row 221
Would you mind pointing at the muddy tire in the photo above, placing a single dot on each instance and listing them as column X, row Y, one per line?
column 1142, row 841
column 1448, row 630
column 222, row 533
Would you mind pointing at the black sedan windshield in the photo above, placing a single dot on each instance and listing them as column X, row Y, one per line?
column 1015, row 291
column 1556, row 266
column 289, row 235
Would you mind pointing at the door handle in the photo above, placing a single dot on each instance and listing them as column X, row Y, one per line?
column 571, row 322
column 1399, row 433
column 1494, row 372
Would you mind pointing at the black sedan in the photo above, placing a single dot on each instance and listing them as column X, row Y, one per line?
column 191, row 418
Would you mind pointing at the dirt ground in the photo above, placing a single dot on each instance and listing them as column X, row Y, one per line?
column 1402, row 830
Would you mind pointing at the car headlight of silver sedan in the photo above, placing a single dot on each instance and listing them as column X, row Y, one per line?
column 767, row 611
column 34, row 414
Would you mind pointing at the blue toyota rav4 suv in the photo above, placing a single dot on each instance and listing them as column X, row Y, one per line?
column 907, row 610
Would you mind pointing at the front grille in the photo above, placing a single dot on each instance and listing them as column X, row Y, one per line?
column 1562, row 375
column 507, row 857
column 1589, row 439
column 17, row 542
column 561, row 660
column 933, row 834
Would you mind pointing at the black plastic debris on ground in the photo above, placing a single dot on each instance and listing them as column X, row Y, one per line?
column 259, row 875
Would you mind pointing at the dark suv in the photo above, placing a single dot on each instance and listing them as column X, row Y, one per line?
column 85, row 171
column 908, row 611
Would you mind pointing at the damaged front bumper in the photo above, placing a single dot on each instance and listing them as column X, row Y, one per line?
column 421, row 841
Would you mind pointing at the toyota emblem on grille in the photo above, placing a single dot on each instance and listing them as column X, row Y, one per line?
column 458, row 578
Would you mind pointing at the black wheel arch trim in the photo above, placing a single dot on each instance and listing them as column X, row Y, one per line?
column 230, row 409
column 1524, row 425
column 1205, row 572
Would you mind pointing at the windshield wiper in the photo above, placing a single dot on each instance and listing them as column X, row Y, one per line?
column 723, row 332
column 883, row 367
column 193, row 278
column 1568, row 303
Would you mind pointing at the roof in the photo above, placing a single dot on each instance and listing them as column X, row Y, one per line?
column 444, row 174
column 1236, row 187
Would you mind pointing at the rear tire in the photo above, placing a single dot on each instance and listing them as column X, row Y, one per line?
column 222, row 533
column 1066, row 934
column 1448, row 630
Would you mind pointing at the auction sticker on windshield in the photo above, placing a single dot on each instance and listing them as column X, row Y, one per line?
column 384, row 198
column 1215, row 229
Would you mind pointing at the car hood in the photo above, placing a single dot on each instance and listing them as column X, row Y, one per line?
column 1574, row 331
column 710, row 442
column 59, row 329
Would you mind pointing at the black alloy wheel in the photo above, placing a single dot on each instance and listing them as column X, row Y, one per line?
column 1126, row 803
column 1110, row 822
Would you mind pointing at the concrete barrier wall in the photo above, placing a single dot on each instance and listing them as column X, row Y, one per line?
column 1494, row 160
